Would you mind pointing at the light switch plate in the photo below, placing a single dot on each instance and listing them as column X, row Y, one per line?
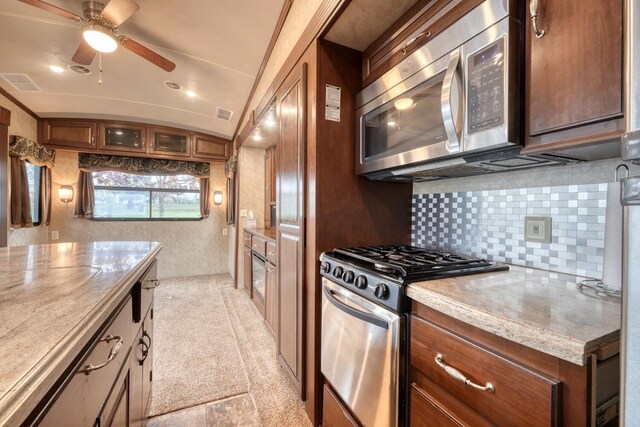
column 537, row 229
column 55, row 235
column 224, row 232
column 243, row 213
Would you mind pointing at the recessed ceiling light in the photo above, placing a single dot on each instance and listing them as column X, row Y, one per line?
column 270, row 121
column 172, row 85
column 56, row 69
column 257, row 137
column 191, row 94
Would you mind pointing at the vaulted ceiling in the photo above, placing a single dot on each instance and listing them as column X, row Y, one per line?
column 217, row 46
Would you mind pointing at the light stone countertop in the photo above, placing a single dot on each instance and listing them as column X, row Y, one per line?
column 53, row 299
column 541, row 310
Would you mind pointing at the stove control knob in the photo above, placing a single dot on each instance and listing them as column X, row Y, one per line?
column 325, row 267
column 337, row 272
column 361, row 282
column 381, row 291
column 348, row 276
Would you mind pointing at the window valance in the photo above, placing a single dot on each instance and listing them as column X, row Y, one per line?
column 31, row 151
column 142, row 166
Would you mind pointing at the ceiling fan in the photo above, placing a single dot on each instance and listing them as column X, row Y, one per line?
column 100, row 30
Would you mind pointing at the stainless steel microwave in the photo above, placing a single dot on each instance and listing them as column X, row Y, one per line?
column 458, row 94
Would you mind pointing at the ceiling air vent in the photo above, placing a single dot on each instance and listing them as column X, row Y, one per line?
column 20, row 82
column 223, row 114
column 79, row 69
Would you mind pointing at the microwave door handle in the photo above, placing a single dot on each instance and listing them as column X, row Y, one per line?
column 353, row 311
column 451, row 104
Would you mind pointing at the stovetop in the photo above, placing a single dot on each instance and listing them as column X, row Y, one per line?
column 380, row 273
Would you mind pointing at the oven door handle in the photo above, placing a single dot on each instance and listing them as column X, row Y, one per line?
column 451, row 104
column 354, row 312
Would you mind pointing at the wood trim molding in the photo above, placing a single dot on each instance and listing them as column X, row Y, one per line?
column 5, row 116
column 18, row 103
column 286, row 7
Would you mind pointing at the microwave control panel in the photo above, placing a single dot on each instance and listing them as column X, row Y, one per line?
column 486, row 88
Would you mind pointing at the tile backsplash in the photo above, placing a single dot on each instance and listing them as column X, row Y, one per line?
column 490, row 224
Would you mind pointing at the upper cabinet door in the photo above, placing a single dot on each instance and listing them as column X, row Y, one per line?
column 73, row 134
column 127, row 137
column 170, row 142
column 211, row 148
column 574, row 70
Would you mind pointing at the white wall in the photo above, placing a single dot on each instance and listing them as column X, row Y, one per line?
column 190, row 248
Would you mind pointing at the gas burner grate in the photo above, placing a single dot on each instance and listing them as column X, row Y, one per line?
column 413, row 263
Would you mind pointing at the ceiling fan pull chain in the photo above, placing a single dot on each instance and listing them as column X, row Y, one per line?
column 100, row 59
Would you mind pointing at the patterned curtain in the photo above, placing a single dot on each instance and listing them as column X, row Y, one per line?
column 230, row 170
column 142, row 166
column 22, row 150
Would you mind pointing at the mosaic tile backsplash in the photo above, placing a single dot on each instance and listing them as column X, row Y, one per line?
column 490, row 224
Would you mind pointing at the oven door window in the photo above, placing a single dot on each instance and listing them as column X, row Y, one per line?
column 407, row 122
column 258, row 274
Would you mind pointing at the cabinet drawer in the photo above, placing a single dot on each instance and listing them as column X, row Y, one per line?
column 246, row 238
column 259, row 246
column 272, row 255
column 519, row 397
column 334, row 414
column 425, row 411
column 80, row 402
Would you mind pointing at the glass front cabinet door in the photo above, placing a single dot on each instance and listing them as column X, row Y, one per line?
column 124, row 137
column 170, row 142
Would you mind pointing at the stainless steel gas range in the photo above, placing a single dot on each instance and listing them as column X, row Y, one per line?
column 364, row 322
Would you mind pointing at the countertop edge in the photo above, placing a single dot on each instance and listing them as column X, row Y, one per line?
column 20, row 400
column 545, row 341
column 260, row 232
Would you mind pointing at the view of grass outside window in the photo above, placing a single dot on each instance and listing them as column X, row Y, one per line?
column 120, row 195
column 33, row 176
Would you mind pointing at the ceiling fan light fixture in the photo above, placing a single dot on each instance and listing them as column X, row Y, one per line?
column 99, row 38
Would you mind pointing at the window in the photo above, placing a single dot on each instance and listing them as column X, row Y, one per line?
column 125, row 196
column 33, row 177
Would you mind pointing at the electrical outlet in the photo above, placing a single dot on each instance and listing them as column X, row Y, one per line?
column 55, row 235
column 537, row 229
column 243, row 213
column 224, row 232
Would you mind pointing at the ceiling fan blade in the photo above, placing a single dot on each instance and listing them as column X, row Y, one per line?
column 53, row 9
column 84, row 54
column 148, row 54
column 118, row 11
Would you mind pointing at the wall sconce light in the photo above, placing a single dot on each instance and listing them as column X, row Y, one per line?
column 65, row 193
column 217, row 198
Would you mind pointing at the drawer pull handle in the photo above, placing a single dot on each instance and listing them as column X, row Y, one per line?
column 112, row 354
column 151, row 284
column 145, row 347
column 412, row 40
column 454, row 373
column 534, row 6
column 271, row 253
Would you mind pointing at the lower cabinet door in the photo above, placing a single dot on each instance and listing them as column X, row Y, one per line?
column 425, row 412
column 135, row 365
column 147, row 364
column 117, row 410
column 334, row 414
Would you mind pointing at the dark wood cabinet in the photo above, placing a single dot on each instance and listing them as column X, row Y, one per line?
column 421, row 23
column 122, row 137
column 115, row 393
column 334, row 413
column 208, row 147
column 132, row 139
column 63, row 133
column 522, row 386
column 574, row 75
column 169, row 142
column 291, row 106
